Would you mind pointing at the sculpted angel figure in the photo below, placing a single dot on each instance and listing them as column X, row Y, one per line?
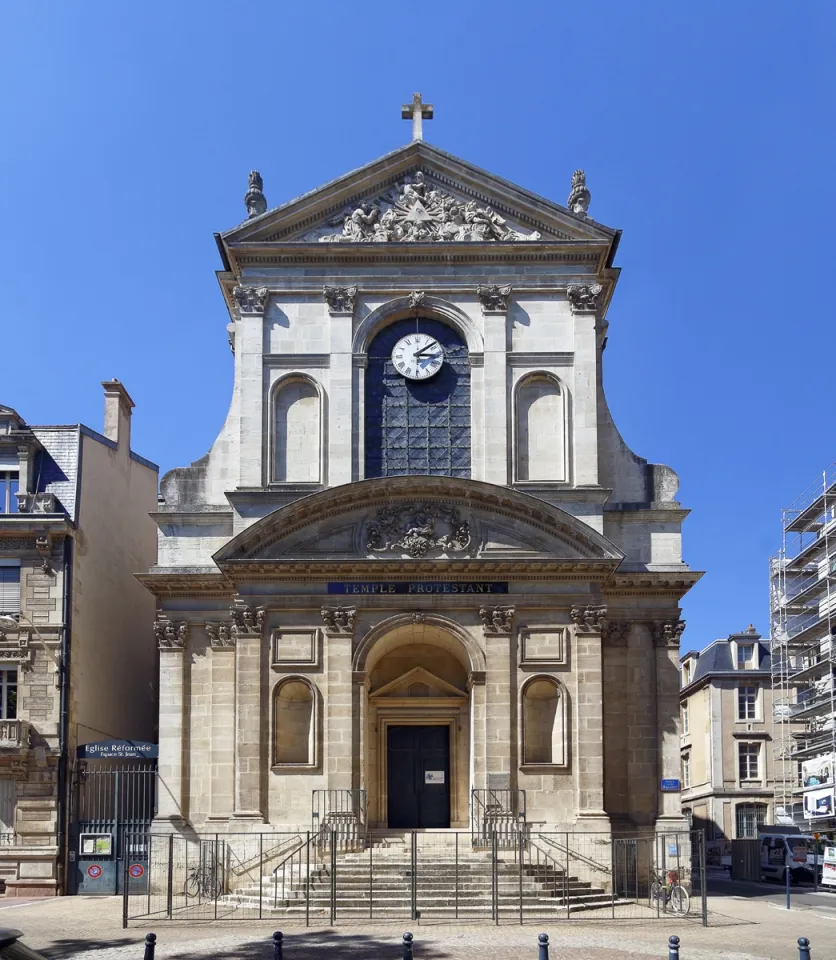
column 359, row 224
column 415, row 190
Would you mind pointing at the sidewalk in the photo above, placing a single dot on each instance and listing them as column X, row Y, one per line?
column 739, row 929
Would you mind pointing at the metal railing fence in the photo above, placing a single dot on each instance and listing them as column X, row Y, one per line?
column 310, row 878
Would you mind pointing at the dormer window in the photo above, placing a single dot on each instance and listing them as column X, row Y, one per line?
column 686, row 673
column 745, row 656
column 8, row 491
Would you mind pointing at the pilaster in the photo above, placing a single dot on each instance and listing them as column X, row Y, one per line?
column 641, row 718
column 583, row 300
column 498, row 626
column 338, row 467
column 339, row 707
column 171, row 763
column 247, row 632
column 496, row 404
column 249, row 353
column 222, row 733
column 589, row 761
column 666, row 636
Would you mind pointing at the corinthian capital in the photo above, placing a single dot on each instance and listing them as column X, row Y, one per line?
column 584, row 297
column 667, row 633
column 250, row 299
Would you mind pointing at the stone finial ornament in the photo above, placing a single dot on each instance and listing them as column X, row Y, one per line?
column 579, row 195
column 254, row 198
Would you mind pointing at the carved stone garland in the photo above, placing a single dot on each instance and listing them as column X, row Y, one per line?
column 494, row 299
column 340, row 299
column 339, row 619
column 497, row 619
column 417, row 529
column 414, row 211
column 589, row 619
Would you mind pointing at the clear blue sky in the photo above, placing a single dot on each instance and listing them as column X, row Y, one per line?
column 707, row 134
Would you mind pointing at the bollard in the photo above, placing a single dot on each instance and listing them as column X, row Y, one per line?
column 277, row 945
column 803, row 948
column 673, row 948
column 407, row 946
column 543, row 941
column 788, row 878
column 151, row 943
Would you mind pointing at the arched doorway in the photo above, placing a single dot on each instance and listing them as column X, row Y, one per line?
column 418, row 674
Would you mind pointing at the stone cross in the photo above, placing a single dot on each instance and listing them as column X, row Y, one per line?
column 417, row 112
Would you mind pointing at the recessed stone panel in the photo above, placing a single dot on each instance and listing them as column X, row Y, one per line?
column 543, row 645
column 295, row 648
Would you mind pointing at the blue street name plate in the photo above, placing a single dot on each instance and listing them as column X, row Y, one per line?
column 417, row 588
column 671, row 786
column 117, row 750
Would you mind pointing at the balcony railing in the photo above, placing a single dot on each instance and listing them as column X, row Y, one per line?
column 14, row 734
column 37, row 503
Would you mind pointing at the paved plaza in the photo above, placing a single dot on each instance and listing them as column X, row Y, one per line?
column 751, row 927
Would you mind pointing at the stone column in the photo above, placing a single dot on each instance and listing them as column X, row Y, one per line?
column 339, row 630
column 498, row 623
column 246, row 629
column 173, row 735
column 222, row 722
column 478, row 732
column 666, row 636
column 340, row 301
column 589, row 763
column 640, row 717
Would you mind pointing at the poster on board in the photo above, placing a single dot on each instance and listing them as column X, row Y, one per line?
column 818, row 803
column 818, row 771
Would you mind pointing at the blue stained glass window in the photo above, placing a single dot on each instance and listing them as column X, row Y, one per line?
column 418, row 427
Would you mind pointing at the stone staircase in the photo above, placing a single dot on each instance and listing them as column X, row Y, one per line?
column 377, row 883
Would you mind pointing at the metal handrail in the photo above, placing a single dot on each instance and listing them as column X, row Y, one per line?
column 593, row 864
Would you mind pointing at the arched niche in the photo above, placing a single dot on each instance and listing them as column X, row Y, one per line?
column 295, row 723
column 400, row 307
column 540, row 430
column 543, row 713
column 296, row 411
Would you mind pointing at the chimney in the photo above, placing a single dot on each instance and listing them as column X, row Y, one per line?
column 117, row 418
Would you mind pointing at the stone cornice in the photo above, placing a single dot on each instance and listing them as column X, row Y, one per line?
column 187, row 584
column 657, row 584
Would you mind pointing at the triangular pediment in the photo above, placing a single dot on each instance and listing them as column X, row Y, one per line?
column 418, row 193
column 420, row 519
column 418, row 682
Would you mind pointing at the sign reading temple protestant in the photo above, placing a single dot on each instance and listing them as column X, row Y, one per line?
column 416, row 588
column 117, row 750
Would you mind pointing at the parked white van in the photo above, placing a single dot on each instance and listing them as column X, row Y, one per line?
column 789, row 851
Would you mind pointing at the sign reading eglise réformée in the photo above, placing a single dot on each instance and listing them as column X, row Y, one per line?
column 117, row 750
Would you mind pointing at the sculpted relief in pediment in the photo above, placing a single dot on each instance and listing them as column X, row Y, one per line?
column 420, row 530
column 420, row 212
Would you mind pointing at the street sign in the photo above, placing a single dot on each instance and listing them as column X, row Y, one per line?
column 671, row 786
column 117, row 750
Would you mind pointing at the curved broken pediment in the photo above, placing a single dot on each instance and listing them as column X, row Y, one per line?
column 418, row 518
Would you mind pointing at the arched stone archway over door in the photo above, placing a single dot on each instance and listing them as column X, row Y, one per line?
column 421, row 677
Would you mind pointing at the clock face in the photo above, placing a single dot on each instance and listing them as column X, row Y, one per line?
column 418, row 356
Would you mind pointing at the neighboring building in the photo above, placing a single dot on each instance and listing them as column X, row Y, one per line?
column 726, row 736
column 419, row 552
column 803, row 601
column 75, row 662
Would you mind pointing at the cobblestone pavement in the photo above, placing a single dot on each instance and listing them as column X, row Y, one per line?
column 739, row 929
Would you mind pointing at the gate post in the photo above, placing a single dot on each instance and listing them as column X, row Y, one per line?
column 703, row 881
column 170, row 890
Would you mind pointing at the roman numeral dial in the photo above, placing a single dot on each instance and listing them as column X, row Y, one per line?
column 417, row 356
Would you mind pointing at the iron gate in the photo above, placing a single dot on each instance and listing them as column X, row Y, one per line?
column 112, row 806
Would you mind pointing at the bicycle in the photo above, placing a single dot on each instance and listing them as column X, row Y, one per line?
column 203, row 882
column 671, row 894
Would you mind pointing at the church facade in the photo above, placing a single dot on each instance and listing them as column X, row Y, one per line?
column 419, row 568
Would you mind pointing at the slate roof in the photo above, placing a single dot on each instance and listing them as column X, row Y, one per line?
column 717, row 658
column 58, row 465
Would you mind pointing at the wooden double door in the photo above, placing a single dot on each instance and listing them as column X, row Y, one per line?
column 418, row 776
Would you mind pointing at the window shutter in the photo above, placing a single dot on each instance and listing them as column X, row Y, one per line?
column 9, row 590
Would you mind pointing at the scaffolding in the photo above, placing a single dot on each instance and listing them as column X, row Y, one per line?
column 803, row 647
